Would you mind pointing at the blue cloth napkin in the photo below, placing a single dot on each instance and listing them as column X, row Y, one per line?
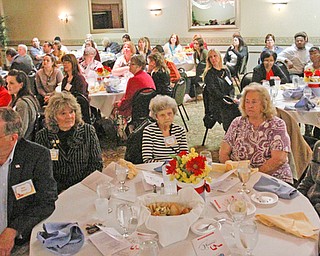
column 274, row 186
column 159, row 168
column 304, row 103
column 293, row 93
column 61, row 238
column 111, row 89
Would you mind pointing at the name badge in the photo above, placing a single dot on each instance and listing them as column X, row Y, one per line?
column 170, row 141
column 228, row 80
column 68, row 87
column 54, row 154
column 23, row 189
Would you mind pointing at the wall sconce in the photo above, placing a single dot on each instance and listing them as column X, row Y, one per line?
column 279, row 6
column 156, row 12
column 64, row 17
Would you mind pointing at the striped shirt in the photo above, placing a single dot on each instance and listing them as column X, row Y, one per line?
column 153, row 144
column 82, row 158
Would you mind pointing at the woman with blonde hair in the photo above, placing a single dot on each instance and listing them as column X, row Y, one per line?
column 143, row 47
column 121, row 66
column 258, row 135
column 74, row 145
column 160, row 73
column 218, row 84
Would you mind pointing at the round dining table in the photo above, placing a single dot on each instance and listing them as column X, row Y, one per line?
column 76, row 204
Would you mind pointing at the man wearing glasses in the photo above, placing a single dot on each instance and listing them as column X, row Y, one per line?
column 27, row 188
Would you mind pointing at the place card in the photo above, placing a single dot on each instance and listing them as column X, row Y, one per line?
column 221, row 202
column 211, row 244
column 94, row 179
column 152, row 178
column 107, row 245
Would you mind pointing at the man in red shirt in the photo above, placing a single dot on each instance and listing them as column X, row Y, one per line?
column 140, row 80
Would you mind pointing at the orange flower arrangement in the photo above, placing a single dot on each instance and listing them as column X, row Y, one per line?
column 105, row 71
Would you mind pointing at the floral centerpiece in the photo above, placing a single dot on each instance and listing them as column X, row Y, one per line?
column 311, row 75
column 189, row 168
column 104, row 71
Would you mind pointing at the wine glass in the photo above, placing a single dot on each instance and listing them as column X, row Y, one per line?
column 127, row 217
column 244, row 175
column 121, row 173
column 238, row 210
column 273, row 93
column 248, row 232
column 104, row 190
column 207, row 155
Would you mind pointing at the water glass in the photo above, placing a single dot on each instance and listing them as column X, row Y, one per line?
column 244, row 175
column 207, row 155
column 102, row 206
column 238, row 210
column 127, row 217
column 295, row 81
column 248, row 233
column 104, row 190
column 307, row 92
column 121, row 173
column 273, row 93
column 148, row 248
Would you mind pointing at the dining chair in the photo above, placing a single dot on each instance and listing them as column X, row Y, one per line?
column 85, row 107
column 246, row 80
column 179, row 91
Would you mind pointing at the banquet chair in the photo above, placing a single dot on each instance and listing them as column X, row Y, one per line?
column 32, row 81
column 246, row 80
column 284, row 69
column 140, row 106
column 179, row 91
column 85, row 107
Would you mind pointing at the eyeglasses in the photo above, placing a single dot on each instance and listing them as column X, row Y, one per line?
column 132, row 64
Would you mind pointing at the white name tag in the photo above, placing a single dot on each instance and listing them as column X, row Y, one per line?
column 24, row 189
column 54, row 154
column 170, row 141
column 68, row 87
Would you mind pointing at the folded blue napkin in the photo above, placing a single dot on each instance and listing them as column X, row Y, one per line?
column 293, row 93
column 159, row 168
column 305, row 104
column 274, row 186
column 61, row 238
column 111, row 89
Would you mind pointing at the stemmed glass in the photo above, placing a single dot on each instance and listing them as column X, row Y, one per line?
column 121, row 173
column 127, row 217
column 238, row 210
column 244, row 175
column 207, row 155
column 248, row 236
column 307, row 92
column 273, row 93
column 104, row 190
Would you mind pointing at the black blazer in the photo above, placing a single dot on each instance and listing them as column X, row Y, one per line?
column 30, row 161
column 259, row 73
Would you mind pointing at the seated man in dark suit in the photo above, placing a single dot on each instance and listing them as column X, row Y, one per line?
column 28, row 190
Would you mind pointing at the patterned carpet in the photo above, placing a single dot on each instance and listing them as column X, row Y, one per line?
column 195, row 135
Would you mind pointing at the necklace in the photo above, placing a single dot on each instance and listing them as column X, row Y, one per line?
column 48, row 75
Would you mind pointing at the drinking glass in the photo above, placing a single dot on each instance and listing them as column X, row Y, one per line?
column 307, row 92
column 273, row 93
column 127, row 217
column 104, row 190
column 244, row 175
column 121, row 173
column 148, row 248
column 248, row 233
column 238, row 210
column 207, row 155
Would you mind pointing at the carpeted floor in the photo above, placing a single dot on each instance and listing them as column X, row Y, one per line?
column 195, row 134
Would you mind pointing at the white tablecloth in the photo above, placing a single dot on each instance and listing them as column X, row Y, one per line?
column 301, row 116
column 77, row 204
column 104, row 101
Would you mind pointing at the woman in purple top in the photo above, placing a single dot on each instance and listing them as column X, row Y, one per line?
column 258, row 135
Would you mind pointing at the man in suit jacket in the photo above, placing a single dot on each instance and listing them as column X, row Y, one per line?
column 27, row 188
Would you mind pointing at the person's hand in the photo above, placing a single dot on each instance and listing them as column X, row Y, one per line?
column 46, row 98
column 289, row 63
column 7, row 241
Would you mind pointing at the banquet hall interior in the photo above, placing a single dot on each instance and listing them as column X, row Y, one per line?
column 72, row 20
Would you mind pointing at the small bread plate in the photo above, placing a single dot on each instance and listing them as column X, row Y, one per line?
column 265, row 199
column 205, row 226
column 251, row 209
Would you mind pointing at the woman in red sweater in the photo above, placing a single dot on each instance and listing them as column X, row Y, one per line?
column 5, row 97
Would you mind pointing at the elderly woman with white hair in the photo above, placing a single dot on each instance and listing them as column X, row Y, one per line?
column 162, row 138
column 89, row 65
column 109, row 46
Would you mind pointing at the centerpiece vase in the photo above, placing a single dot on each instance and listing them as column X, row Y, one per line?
column 200, row 187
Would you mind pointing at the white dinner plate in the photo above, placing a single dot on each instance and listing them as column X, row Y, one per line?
column 265, row 199
column 205, row 226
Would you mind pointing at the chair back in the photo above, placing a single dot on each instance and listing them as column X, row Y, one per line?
column 284, row 69
column 244, row 62
column 85, row 107
column 179, row 91
column 140, row 104
column 183, row 73
column 246, row 80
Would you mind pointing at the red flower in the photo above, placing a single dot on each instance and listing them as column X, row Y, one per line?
column 308, row 73
column 99, row 70
column 182, row 153
column 171, row 167
column 107, row 68
column 196, row 165
column 317, row 73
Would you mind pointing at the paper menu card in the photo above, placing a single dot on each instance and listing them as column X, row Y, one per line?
column 221, row 202
column 211, row 244
column 95, row 178
column 152, row 178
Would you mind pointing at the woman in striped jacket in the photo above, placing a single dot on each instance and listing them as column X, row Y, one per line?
column 74, row 145
column 163, row 138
